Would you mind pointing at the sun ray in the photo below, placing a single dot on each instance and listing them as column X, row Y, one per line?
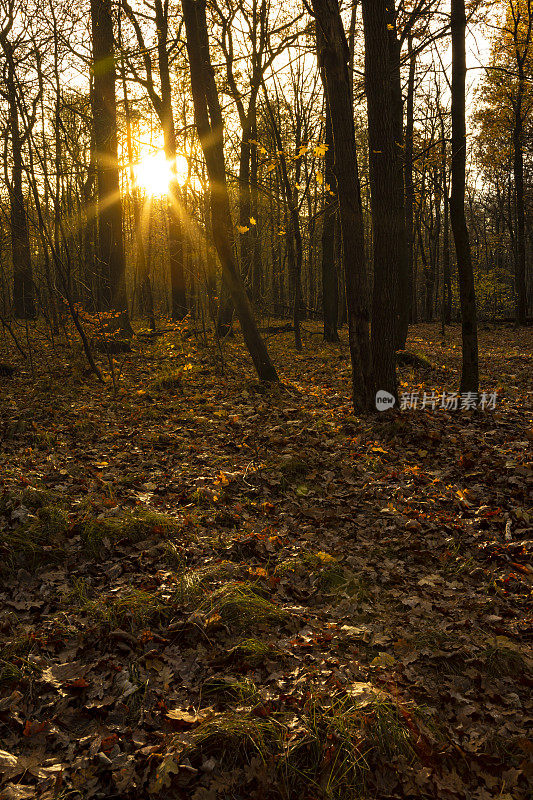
column 154, row 173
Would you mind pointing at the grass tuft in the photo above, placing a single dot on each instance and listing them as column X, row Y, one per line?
column 130, row 527
column 240, row 607
column 131, row 610
column 36, row 542
column 168, row 382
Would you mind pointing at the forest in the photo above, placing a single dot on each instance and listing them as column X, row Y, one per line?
column 266, row 418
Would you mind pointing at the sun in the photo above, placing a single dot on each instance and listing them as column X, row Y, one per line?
column 153, row 173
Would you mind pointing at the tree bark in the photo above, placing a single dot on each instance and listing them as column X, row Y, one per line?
column 208, row 117
column 398, row 175
column 518, row 170
column 330, row 286
column 23, row 289
column 333, row 58
column 407, row 312
column 111, row 258
column 387, row 198
column 470, row 368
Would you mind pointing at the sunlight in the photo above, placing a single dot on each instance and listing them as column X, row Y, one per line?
column 154, row 173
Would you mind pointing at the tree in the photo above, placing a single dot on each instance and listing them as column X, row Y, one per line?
column 163, row 107
column 330, row 285
column 333, row 58
column 470, row 368
column 505, row 117
column 209, row 124
column 112, row 265
column 388, row 220
column 23, row 289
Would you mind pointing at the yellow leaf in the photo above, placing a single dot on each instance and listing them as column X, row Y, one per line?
column 325, row 556
column 253, row 221
column 383, row 660
column 242, row 228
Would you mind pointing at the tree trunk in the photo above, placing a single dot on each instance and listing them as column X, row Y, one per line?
column 330, row 287
column 142, row 266
column 23, row 289
column 112, row 265
column 333, row 58
column 176, row 243
column 208, row 117
column 294, row 240
column 446, row 270
column 518, row 169
column 470, row 369
column 407, row 313
column 397, row 174
column 387, row 199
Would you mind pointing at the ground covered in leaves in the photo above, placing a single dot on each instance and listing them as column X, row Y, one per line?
column 211, row 589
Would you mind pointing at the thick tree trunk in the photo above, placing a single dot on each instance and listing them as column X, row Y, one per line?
column 333, row 58
column 208, row 117
column 387, row 195
column 330, row 285
column 470, row 369
column 112, row 265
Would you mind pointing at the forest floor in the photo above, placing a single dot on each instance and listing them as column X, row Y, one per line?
column 211, row 589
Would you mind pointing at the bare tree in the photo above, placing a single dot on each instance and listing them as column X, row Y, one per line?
column 112, row 264
column 470, row 368
column 210, row 127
